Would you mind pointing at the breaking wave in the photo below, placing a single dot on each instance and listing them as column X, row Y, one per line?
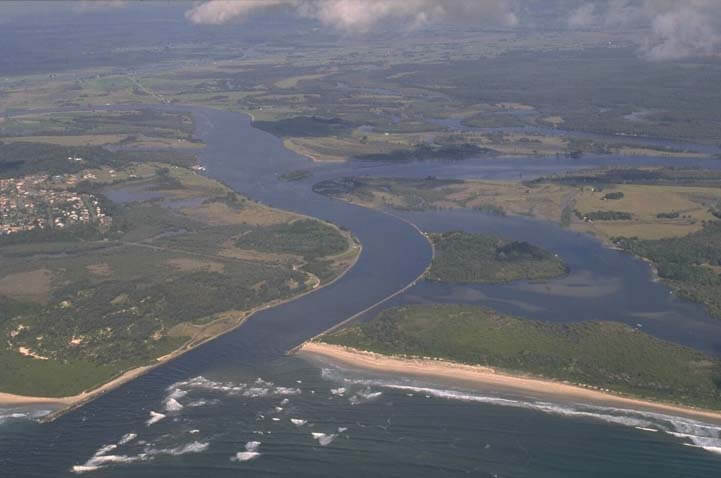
column 172, row 405
column 127, row 438
column 16, row 414
column 694, row 432
column 194, row 447
column 155, row 417
column 324, row 439
column 250, row 453
column 257, row 389
column 363, row 396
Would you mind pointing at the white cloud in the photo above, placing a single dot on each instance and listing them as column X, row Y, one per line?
column 215, row 12
column 363, row 15
column 681, row 33
column 673, row 28
column 583, row 16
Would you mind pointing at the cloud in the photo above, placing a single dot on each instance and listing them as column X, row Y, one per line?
column 672, row 29
column 681, row 33
column 362, row 15
column 216, row 12
column 583, row 16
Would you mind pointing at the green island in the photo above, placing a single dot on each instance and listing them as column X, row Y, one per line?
column 113, row 260
column 604, row 355
column 669, row 216
column 480, row 258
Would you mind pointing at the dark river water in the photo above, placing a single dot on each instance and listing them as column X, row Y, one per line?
column 238, row 406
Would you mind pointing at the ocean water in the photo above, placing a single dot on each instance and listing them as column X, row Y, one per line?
column 297, row 417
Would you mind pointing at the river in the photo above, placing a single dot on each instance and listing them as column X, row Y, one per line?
column 239, row 405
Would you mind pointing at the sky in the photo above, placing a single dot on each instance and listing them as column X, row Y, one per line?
column 671, row 29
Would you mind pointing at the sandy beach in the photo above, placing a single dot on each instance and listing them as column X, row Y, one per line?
column 489, row 377
column 10, row 400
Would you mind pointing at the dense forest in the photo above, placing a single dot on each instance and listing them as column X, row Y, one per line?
column 692, row 264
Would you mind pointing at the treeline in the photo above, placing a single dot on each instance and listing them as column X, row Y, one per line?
column 604, row 215
column 427, row 151
column 308, row 238
column 687, row 262
column 659, row 176
column 305, row 126
column 21, row 159
column 463, row 257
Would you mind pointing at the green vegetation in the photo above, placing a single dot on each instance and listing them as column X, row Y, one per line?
column 605, row 216
column 20, row 159
column 425, row 151
column 690, row 264
column 304, row 126
column 602, row 354
column 308, row 238
column 186, row 258
column 600, row 178
column 144, row 122
column 463, row 257
column 397, row 193
column 297, row 175
column 491, row 210
column 25, row 158
column 614, row 196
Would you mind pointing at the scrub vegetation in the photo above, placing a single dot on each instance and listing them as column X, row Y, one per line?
column 604, row 355
column 186, row 258
column 690, row 264
column 464, row 257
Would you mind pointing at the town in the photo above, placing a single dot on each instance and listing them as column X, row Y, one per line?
column 42, row 202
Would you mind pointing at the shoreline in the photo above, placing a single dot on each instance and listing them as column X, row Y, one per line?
column 68, row 403
column 423, row 274
column 481, row 375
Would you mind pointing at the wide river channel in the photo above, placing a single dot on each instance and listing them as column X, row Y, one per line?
column 239, row 406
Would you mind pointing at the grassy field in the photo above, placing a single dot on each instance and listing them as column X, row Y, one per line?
column 652, row 207
column 600, row 354
column 500, row 198
column 464, row 257
column 184, row 260
column 140, row 129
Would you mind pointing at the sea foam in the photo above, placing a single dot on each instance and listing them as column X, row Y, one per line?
column 251, row 452
column 155, row 417
column 324, row 439
column 696, row 433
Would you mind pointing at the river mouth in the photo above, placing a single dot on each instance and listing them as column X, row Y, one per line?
column 424, row 435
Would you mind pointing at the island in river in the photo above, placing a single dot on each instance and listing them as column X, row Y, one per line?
column 116, row 262
column 595, row 360
column 668, row 216
column 481, row 258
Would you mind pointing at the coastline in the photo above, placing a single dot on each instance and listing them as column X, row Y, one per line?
column 66, row 404
column 488, row 376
